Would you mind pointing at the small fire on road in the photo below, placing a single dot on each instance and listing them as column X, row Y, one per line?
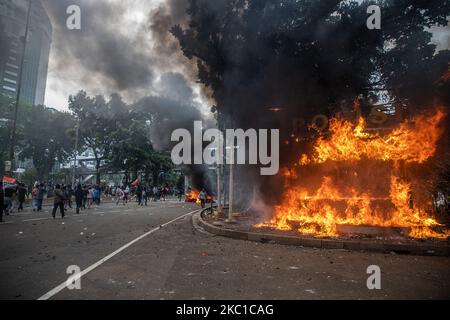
column 193, row 196
column 356, row 177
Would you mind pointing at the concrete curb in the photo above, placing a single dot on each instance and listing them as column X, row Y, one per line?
column 441, row 249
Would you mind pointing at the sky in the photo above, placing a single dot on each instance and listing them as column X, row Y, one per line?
column 124, row 46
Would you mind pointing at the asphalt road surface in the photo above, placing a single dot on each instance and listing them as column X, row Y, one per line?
column 123, row 253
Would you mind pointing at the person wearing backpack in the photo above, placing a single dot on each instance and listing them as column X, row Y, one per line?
column 58, row 201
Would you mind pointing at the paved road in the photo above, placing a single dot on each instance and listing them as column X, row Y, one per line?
column 180, row 261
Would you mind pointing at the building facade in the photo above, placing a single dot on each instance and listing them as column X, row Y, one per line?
column 13, row 19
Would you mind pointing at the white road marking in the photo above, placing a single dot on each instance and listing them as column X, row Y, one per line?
column 63, row 285
column 36, row 219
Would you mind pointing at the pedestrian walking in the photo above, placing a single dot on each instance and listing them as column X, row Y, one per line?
column 78, row 198
column 8, row 194
column 14, row 201
column 21, row 195
column 66, row 196
column 96, row 195
column 2, row 201
column 90, row 197
column 139, row 195
column 85, row 196
column 70, row 195
column 126, row 192
column 155, row 193
column 202, row 197
column 58, row 201
column 145, row 195
column 34, row 197
column 120, row 195
column 41, row 195
column 99, row 195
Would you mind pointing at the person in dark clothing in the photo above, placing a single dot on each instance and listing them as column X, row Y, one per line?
column 58, row 201
column 79, row 197
column 2, row 200
column 70, row 195
column 21, row 193
column 85, row 196
column 66, row 196
column 145, row 195
column 40, row 197
column 139, row 195
column 8, row 194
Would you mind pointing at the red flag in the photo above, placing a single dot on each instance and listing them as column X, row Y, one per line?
column 135, row 182
column 9, row 180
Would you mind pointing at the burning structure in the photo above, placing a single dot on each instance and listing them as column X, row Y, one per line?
column 270, row 62
column 361, row 178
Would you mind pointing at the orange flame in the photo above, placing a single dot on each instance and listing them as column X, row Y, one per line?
column 319, row 211
column 413, row 141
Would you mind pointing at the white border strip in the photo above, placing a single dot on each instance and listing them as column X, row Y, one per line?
column 63, row 285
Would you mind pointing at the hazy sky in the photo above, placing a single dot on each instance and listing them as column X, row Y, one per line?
column 123, row 46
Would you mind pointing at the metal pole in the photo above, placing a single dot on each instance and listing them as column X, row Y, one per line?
column 230, row 204
column 19, row 86
column 219, row 191
column 76, row 154
column 218, row 169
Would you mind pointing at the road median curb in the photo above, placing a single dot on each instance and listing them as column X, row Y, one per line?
column 414, row 248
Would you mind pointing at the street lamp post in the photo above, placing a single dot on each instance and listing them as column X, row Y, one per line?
column 231, row 192
column 19, row 86
column 219, row 190
column 231, row 183
column 76, row 154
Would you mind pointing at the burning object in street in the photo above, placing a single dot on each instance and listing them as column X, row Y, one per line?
column 193, row 196
column 353, row 179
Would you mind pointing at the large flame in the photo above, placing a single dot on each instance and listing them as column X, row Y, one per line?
column 413, row 141
column 193, row 196
column 318, row 211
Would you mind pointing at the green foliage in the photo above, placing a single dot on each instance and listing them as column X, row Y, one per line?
column 47, row 138
column 42, row 135
column 118, row 135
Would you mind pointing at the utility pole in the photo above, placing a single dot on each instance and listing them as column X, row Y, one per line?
column 19, row 86
column 230, row 205
column 76, row 154
column 219, row 160
column 219, row 190
column 231, row 184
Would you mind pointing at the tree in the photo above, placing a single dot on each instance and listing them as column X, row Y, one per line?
column 94, row 117
column 309, row 56
column 47, row 138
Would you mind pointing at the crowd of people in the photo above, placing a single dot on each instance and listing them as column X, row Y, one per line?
column 143, row 194
column 13, row 197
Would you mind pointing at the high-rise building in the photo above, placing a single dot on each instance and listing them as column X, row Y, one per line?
column 13, row 19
